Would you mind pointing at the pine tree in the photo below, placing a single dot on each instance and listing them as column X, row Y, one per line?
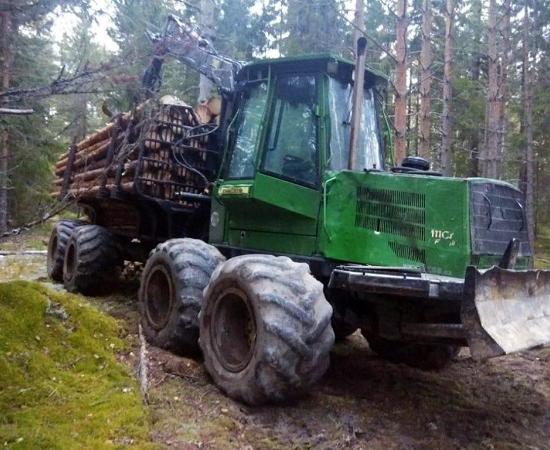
column 400, row 82
column 527, row 79
column 426, row 80
column 446, row 119
column 490, row 160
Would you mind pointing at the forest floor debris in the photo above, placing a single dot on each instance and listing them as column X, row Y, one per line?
column 362, row 402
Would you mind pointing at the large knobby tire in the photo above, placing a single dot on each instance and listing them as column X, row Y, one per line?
column 265, row 329
column 57, row 244
column 170, row 294
column 91, row 260
column 420, row 355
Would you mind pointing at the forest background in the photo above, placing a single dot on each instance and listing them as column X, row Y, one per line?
column 468, row 80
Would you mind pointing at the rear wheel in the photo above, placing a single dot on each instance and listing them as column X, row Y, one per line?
column 57, row 244
column 170, row 295
column 420, row 355
column 265, row 328
column 91, row 260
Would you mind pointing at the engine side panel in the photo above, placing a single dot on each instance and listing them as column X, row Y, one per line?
column 399, row 220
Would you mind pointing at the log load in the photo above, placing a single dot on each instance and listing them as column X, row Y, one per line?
column 159, row 150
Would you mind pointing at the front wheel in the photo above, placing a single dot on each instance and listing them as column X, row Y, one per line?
column 265, row 329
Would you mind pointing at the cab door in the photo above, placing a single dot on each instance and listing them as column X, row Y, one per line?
column 272, row 199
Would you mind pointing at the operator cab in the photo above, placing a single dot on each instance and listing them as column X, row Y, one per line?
column 293, row 121
column 287, row 131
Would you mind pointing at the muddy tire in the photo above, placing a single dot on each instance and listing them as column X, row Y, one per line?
column 265, row 329
column 170, row 294
column 91, row 260
column 420, row 355
column 57, row 244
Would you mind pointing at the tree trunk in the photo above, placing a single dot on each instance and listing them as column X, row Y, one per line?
column 426, row 81
column 475, row 72
column 5, row 64
column 475, row 136
column 446, row 120
column 505, row 32
column 409, row 110
column 207, row 13
column 359, row 23
column 490, row 162
column 400, row 111
column 528, row 128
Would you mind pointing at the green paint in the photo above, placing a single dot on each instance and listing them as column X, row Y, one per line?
column 397, row 220
column 363, row 217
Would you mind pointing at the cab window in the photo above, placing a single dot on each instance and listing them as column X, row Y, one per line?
column 248, row 124
column 291, row 147
column 369, row 152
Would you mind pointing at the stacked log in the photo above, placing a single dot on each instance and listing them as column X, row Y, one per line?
column 158, row 150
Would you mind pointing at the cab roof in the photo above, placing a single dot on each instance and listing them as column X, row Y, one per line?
column 324, row 62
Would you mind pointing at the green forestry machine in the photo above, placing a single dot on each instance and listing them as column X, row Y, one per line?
column 288, row 231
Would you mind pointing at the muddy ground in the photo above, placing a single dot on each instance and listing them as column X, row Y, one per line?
column 362, row 402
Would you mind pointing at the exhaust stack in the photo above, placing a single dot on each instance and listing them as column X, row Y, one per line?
column 357, row 108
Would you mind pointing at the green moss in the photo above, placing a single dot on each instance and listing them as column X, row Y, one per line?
column 61, row 385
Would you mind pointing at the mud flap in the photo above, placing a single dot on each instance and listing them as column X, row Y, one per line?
column 505, row 311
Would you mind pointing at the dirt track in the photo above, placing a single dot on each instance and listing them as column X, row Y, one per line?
column 362, row 402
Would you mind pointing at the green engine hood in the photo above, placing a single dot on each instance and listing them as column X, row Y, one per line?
column 405, row 220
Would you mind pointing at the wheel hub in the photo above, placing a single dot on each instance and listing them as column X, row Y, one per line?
column 234, row 330
column 159, row 297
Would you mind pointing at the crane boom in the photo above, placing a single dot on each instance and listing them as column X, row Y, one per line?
column 184, row 43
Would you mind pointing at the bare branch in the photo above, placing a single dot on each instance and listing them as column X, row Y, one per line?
column 16, row 112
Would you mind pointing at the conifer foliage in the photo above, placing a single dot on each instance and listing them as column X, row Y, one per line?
column 468, row 85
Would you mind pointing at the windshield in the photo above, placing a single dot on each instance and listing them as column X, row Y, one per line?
column 369, row 155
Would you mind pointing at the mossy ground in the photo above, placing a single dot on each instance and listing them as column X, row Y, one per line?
column 61, row 385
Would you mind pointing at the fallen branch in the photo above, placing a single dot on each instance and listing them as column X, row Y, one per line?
column 16, row 112
column 22, row 253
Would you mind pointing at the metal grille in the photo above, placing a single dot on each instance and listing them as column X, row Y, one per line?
column 391, row 212
column 408, row 252
column 497, row 216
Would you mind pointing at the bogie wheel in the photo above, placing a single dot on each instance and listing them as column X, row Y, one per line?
column 420, row 355
column 57, row 244
column 265, row 329
column 92, row 257
column 170, row 295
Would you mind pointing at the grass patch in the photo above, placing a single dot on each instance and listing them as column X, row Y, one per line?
column 61, row 385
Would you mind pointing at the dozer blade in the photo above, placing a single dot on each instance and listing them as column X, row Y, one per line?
column 505, row 311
